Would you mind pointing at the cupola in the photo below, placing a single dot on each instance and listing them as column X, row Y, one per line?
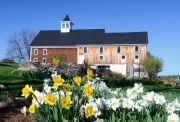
column 66, row 25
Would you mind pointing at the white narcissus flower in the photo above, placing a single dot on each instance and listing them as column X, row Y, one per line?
column 169, row 108
column 138, row 105
column 57, row 94
column 99, row 102
column 61, row 93
column 131, row 103
column 127, row 103
column 47, row 88
column 114, row 93
column 176, row 105
column 91, row 99
column 118, row 89
column 146, row 100
column 47, row 80
column 106, row 104
column 151, row 94
column 102, row 103
column 24, row 110
column 90, row 83
column 81, row 111
column 138, row 87
column 96, row 110
column 102, row 86
column 38, row 96
column 114, row 103
column 173, row 118
column 159, row 99
column 131, row 93
column 68, row 93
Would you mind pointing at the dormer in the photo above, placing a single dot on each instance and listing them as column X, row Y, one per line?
column 66, row 25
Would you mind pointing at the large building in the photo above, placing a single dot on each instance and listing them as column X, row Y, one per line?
column 116, row 51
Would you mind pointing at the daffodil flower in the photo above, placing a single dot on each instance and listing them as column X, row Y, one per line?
column 27, row 91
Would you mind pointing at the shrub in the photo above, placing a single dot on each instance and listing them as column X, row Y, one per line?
column 112, row 74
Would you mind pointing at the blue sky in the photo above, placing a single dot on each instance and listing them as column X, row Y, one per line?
column 160, row 18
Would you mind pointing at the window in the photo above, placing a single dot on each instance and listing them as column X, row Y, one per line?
column 35, row 51
column 67, row 25
column 63, row 25
column 35, row 60
column 101, row 57
column 118, row 49
column 101, row 49
column 44, row 61
column 123, row 58
column 44, row 51
column 136, row 49
column 136, row 58
column 85, row 49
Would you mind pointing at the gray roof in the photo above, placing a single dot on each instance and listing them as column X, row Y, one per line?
column 88, row 37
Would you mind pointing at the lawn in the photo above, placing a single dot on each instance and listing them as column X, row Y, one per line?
column 13, row 81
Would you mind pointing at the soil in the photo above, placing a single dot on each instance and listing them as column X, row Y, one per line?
column 14, row 115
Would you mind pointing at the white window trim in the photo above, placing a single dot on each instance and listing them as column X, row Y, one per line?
column 123, row 60
column 135, row 48
column 136, row 60
column 34, row 51
column 117, row 49
column 43, row 51
column 67, row 25
column 63, row 25
column 43, row 60
column 86, row 49
column 100, row 49
column 100, row 57
column 36, row 60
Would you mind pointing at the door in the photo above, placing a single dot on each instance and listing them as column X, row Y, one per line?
column 81, row 59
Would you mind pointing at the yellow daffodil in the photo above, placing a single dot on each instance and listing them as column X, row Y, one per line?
column 55, row 86
column 50, row 99
column 26, row 91
column 89, row 111
column 66, row 87
column 32, row 108
column 88, row 90
column 65, row 102
column 77, row 80
column 58, row 80
column 90, row 74
column 56, row 61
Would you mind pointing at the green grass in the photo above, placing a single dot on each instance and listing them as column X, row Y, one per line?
column 14, row 82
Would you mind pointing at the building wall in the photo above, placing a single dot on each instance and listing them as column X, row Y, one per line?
column 92, row 57
column 70, row 54
column 111, row 56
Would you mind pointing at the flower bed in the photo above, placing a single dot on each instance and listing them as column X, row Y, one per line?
column 87, row 99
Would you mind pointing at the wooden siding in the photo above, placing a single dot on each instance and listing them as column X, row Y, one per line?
column 70, row 54
column 111, row 56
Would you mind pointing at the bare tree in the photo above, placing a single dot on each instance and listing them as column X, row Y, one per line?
column 18, row 44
